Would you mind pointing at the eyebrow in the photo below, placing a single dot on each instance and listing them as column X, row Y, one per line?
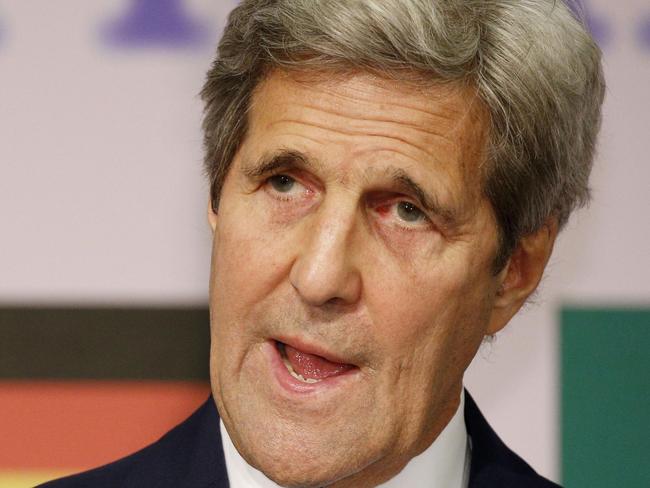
column 403, row 181
column 282, row 159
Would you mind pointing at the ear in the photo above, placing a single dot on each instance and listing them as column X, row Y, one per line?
column 212, row 215
column 522, row 273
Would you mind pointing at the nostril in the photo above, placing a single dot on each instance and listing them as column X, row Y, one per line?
column 336, row 302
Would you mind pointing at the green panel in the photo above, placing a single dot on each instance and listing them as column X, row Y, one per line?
column 104, row 343
column 605, row 398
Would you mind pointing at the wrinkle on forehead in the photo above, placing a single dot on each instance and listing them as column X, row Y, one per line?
column 453, row 114
column 352, row 90
column 353, row 130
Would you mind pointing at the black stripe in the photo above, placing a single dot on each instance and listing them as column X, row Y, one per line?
column 104, row 343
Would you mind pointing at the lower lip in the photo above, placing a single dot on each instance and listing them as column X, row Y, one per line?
column 293, row 385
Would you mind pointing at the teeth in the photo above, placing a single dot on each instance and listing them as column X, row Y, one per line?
column 298, row 376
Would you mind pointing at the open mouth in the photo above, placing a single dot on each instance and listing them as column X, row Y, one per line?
column 307, row 367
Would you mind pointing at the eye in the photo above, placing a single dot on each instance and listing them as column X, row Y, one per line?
column 409, row 212
column 402, row 213
column 282, row 183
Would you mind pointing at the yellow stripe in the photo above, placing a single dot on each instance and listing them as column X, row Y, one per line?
column 30, row 478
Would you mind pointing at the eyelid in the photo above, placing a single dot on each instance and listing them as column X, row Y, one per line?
column 288, row 196
column 424, row 222
column 386, row 198
column 300, row 175
column 391, row 203
column 266, row 175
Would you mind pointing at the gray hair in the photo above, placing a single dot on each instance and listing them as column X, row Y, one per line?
column 534, row 67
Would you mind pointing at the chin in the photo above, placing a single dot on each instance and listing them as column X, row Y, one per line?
column 296, row 466
column 292, row 454
column 300, row 478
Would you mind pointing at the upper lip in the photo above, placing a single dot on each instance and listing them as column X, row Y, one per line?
column 311, row 348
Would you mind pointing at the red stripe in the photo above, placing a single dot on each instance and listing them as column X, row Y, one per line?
column 79, row 425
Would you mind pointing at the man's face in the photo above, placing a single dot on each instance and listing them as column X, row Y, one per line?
column 354, row 246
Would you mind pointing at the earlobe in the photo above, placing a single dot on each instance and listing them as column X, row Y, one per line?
column 212, row 215
column 522, row 274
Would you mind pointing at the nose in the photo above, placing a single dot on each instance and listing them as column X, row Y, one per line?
column 324, row 270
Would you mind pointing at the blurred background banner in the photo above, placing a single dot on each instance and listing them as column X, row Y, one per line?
column 105, row 248
column 605, row 396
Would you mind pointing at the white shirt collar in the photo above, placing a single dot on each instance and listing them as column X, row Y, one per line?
column 445, row 463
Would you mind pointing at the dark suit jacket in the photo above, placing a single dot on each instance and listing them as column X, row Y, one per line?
column 190, row 455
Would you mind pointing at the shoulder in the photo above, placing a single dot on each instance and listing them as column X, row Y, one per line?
column 493, row 464
column 190, row 455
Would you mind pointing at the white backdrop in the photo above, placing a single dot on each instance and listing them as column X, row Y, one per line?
column 102, row 198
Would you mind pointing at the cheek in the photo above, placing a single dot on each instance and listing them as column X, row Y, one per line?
column 246, row 268
column 428, row 337
column 410, row 306
column 430, row 320
column 245, row 258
